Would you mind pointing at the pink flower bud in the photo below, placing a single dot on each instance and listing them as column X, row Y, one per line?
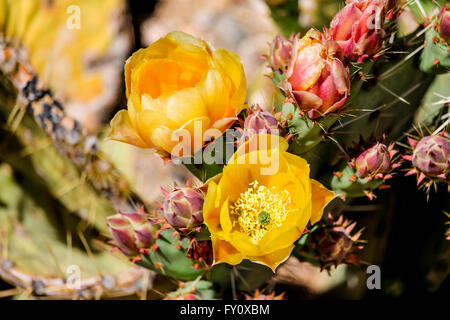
column 444, row 24
column 131, row 232
column 358, row 28
column 260, row 121
column 318, row 80
column 183, row 207
column 280, row 53
column 376, row 159
column 432, row 155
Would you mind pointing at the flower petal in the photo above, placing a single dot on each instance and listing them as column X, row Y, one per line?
column 223, row 251
column 225, row 221
column 274, row 259
column 307, row 68
column 321, row 196
column 122, row 130
column 211, row 214
column 230, row 65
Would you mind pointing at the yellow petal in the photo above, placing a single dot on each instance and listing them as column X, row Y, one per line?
column 262, row 142
column 274, row 259
column 211, row 213
column 225, row 221
column 235, row 180
column 185, row 105
column 230, row 65
column 182, row 38
column 214, row 91
column 223, row 251
column 321, row 196
column 288, row 233
column 147, row 121
column 162, row 137
column 122, row 130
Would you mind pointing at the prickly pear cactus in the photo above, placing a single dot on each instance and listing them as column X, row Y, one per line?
column 361, row 105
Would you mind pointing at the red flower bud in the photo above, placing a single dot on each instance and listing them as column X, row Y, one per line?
column 432, row 155
column 358, row 28
column 260, row 121
column 183, row 207
column 131, row 232
column 376, row 159
column 280, row 53
column 318, row 80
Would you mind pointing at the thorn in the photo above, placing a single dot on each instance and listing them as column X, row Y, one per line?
column 143, row 251
column 411, row 172
column 421, row 177
column 188, row 183
column 412, row 142
column 353, row 178
column 407, row 157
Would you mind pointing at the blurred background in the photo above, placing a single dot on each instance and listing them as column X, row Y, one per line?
column 403, row 230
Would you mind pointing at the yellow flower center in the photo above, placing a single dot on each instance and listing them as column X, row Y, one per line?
column 259, row 210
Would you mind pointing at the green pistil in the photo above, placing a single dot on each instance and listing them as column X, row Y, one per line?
column 264, row 218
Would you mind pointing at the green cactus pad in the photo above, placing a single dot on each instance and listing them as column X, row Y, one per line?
column 353, row 189
column 435, row 56
column 201, row 289
column 174, row 261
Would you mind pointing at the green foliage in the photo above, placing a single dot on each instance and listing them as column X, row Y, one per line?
column 435, row 56
column 355, row 188
column 170, row 260
column 201, row 289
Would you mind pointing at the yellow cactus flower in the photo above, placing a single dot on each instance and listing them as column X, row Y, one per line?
column 257, row 216
column 179, row 82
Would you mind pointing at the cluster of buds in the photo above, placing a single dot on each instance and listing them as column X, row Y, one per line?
column 430, row 158
column 200, row 252
column 183, row 207
column 375, row 162
column 258, row 295
column 317, row 80
column 132, row 232
column 359, row 28
column 333, row 243
column 443, row 24
column 260, row 121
